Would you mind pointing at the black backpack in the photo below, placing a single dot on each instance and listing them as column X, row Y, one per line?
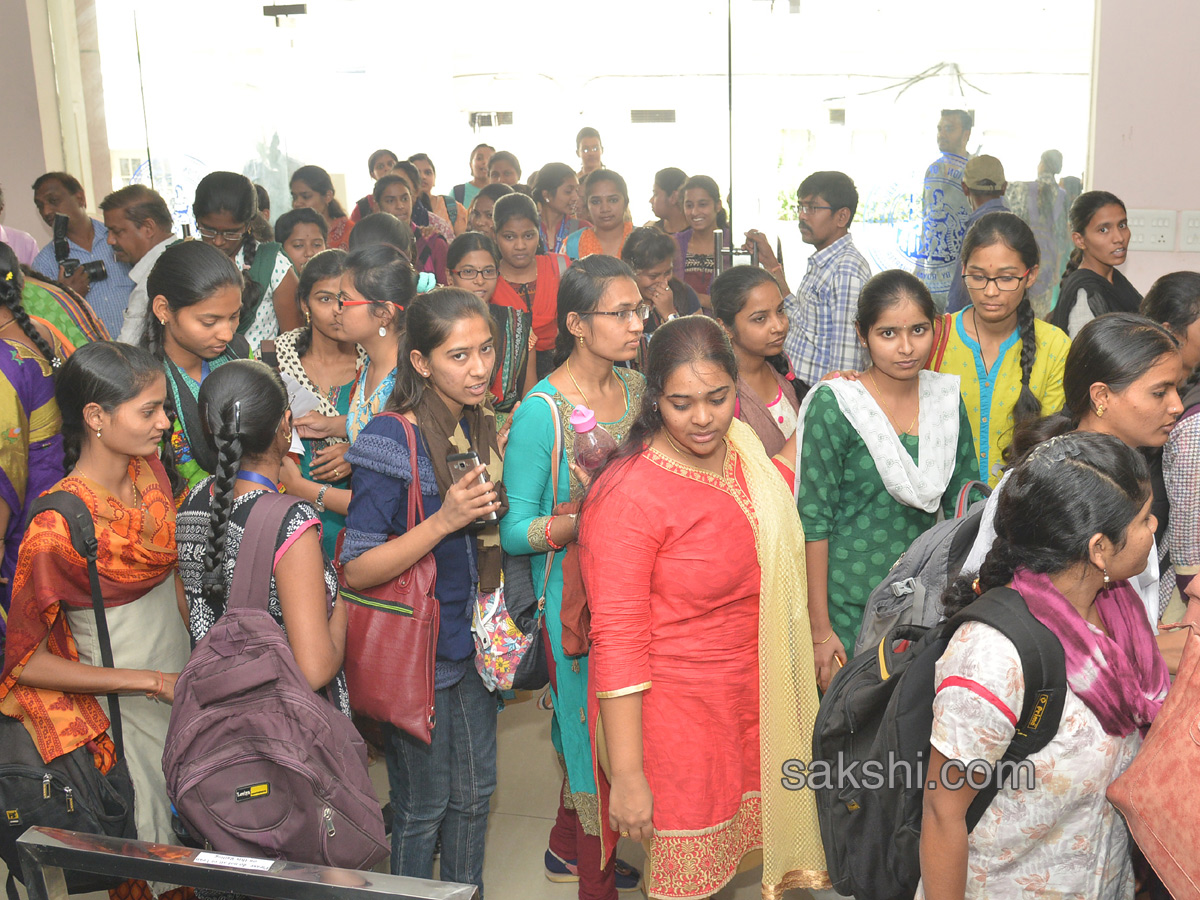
column 878, row 715
column 69, row 791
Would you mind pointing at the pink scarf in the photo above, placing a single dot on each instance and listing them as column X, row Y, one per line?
column 1122, row 679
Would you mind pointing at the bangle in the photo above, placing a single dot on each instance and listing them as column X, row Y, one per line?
column 550, row 540
column 320, row 503
column 826, row 641
column 161, row 682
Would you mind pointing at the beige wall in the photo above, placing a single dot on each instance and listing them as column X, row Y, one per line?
column 23, row 151
column 1145, row 123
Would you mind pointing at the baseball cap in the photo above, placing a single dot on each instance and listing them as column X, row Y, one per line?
column 983, row 173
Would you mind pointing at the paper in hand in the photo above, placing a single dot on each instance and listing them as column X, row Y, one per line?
column 302, row 401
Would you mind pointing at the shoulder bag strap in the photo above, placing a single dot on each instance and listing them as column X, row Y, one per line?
column 941, row 339
column 416, row 503
column 555, row 464
column 83, row 538
column 256, row 552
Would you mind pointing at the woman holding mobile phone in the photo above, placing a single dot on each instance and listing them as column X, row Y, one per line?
column 442, row 381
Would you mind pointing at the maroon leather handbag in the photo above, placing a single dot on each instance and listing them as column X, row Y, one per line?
column 392, row 631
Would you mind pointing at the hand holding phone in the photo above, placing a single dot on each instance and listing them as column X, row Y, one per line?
column 472, row 493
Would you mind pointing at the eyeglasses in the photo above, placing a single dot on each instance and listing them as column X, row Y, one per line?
column 470, row 273
column 626, row 316
column 209, row 235
column 806, row 208
column 342, row 302
column 1003, row 282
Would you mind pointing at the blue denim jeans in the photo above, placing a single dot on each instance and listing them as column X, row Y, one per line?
column 446, row 786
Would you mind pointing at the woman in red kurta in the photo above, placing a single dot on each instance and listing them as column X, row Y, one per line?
column 528, row 280
column 690, row 550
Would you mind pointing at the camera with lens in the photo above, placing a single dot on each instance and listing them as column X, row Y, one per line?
column 94, row 270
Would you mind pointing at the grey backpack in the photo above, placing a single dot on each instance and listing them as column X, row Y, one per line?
column 257, row 763
column 911, row 592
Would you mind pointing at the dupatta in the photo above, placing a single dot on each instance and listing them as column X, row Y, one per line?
column 136, row 553
column 918, row 484
column 793, row 856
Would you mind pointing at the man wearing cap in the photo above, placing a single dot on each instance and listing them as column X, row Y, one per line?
column 944, row 209
column 984, row 185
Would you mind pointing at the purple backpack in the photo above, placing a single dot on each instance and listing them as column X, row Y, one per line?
column 257, row 764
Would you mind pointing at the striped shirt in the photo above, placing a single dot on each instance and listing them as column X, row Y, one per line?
column 822, row 337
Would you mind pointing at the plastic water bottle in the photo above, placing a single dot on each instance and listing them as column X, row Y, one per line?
column 593, row 445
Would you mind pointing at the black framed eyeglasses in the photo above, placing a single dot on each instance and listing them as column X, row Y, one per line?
column 1003, row 282
column 470, row 273
column 806, row 208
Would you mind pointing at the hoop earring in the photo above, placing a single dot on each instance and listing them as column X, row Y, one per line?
column 655, row 406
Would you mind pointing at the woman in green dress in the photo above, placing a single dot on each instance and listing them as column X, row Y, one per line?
column 323, row 362
column 877, row 457
column 599, row 324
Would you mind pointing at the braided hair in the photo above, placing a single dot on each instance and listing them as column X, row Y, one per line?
column 1012, row 231
column 242, row 404
column 1064, row 492
column 187, row 273
column 12, row 283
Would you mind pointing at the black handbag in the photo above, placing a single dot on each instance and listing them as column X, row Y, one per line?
column 68, row 792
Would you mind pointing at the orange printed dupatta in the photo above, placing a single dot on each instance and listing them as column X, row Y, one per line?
column 136, row 553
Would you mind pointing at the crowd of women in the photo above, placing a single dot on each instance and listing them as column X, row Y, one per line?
column 726, row 550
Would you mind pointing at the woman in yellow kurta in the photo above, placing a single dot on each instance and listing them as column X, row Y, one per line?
column 1005, row 377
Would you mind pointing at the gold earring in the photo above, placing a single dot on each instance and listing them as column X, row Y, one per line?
column 581, row 340
column 1106, row 576
column 97, row 432
column 1099, row 410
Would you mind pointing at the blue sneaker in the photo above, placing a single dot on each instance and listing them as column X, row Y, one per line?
column 562, row 871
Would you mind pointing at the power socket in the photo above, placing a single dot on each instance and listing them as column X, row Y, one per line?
column 1189, row 231
column 1152, row 229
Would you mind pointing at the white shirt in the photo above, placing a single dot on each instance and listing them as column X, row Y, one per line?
column 139, row 299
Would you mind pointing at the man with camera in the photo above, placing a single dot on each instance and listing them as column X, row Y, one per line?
column 139, row 230
column 79, row 255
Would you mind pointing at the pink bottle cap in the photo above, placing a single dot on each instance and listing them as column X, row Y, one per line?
column 583, row 419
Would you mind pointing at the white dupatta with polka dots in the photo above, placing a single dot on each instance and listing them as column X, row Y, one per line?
column 921, row 484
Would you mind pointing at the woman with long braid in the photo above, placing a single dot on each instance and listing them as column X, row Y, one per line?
column 111, row 397
column 31, row 449
column 1010, row 364
column 244, row 408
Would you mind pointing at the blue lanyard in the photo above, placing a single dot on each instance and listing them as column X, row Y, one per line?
column 258, row 479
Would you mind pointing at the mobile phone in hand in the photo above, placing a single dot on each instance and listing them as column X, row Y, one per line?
column 460, row 464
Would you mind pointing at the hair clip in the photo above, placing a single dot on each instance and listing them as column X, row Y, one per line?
column 975, row 586
column 237, row 416
column 790, row 376
column 8, row 276
column 1056, row 450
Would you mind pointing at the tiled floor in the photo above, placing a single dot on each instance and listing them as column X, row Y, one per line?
column 523, row 809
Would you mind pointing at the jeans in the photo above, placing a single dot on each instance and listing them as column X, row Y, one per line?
column 446, row 786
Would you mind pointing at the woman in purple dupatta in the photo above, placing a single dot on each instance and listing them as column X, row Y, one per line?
column 31, row 448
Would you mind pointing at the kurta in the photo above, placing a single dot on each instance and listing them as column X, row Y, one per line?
column 841, row 499
column 522, row 532
column 990, row 395
column 678, row 623
column 31, row 445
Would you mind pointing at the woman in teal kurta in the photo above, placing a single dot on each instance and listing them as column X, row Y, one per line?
column 593, row 334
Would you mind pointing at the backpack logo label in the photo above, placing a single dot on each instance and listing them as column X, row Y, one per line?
column 1039, row 710
column 252, row 791
column 13, row 816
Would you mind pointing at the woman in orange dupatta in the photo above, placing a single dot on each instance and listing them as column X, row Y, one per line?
column 111, row 398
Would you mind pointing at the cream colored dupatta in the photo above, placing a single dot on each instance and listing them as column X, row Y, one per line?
column 793, row 856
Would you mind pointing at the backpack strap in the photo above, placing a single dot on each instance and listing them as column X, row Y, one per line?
column 268, row 354
column 264, row 264
column 256, row 552
column 1044, row 665
column 451, row 208
column 83, row 538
